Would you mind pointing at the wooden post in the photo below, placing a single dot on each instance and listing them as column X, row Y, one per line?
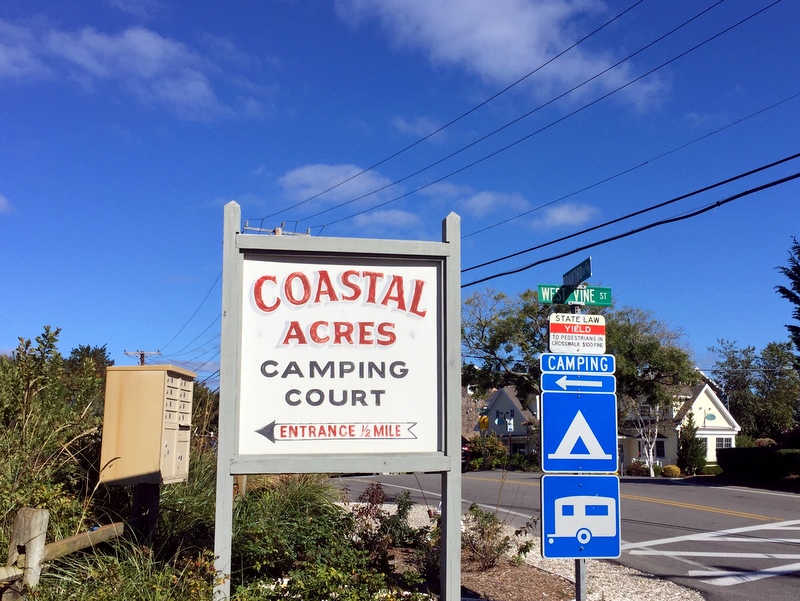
column 28, row 537
column 144, row 512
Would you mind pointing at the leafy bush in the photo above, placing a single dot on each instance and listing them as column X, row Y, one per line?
column 743, row 441
column 489, row 450
column 637, row 468
column 483, row 537
column 712, row 470
column 50, row 411
column 671, row 471
column 523, row 463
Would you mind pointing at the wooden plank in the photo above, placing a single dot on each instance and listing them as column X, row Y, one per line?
column 10, row 573
column 78, row 542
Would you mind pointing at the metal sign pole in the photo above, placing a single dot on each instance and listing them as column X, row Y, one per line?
column 580, row 580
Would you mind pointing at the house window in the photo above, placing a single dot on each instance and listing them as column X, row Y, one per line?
column 645, row 410
column 724, row 443
column 659, row 451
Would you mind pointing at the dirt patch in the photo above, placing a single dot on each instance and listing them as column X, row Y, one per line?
column 507, row 581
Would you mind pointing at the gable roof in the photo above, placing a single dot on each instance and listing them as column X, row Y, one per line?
column 705, row 390
column 509, row 394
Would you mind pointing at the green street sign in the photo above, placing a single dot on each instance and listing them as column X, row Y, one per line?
column 570, row 295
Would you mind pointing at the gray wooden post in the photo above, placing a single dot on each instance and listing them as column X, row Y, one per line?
column 28, row 537
column 223, row 532
column 451, row 480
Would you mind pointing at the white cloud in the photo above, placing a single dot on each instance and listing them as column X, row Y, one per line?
column 566, row 215
column 159, row 71
column 500, row 40
column 310, row 180
column 419, row 127
column 380, row 223
column 487, row 202
column 477, row 203
column 18, row 53
column 5, row 205
column 137, row 8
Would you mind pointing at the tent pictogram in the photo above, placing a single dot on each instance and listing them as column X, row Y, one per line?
column 579, row 430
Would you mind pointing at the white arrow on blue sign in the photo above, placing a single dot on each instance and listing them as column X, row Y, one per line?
column 580, row 517
column 585, row 382
column 571, row 363
column 579, row 432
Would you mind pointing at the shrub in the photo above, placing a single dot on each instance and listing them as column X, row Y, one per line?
column 483, row 537
column 638, row 468
column 490, row 450
column 743, row 441
column 293, row 522
column 523, row 463
column 671, row 471
column 712, row 470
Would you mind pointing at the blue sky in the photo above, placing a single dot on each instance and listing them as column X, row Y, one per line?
column 126, row 125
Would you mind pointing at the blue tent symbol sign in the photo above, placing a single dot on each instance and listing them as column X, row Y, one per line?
column 579, row 430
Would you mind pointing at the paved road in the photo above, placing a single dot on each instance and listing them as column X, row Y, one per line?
column 731, row 543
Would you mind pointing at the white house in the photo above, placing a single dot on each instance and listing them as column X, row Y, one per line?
column 715, row 425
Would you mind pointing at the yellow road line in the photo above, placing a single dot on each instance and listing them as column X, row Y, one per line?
column 739, row 514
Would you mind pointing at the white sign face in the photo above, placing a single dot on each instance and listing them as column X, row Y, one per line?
column 577, row 333
column 339, row 357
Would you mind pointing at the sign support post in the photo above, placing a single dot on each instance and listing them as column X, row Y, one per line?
column 340, row 355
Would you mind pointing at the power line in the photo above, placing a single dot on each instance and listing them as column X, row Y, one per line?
column 634, row 168
column 457, row 119
column 637, row 213
column 544, row 128
column 638, row 230
column 195, row 312
column 518, row 119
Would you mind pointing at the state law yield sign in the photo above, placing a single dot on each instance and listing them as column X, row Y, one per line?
column 577, row 333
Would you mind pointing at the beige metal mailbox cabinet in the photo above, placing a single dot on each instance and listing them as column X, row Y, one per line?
column 147, row 425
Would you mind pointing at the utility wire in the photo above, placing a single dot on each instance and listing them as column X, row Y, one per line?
column 195, row 312
column 584, row 107
column 700, row 211
column 521, row 117
column 637, row 213
column 457, row 119
column 631, row 169
column 178, row 352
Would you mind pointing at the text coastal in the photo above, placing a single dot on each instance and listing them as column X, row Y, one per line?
column 385, row 299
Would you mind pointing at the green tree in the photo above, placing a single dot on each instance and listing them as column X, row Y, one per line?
column 691, row 450
column 504, row 335
column 651, row 366
column 761, row 390
column 792, row 293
